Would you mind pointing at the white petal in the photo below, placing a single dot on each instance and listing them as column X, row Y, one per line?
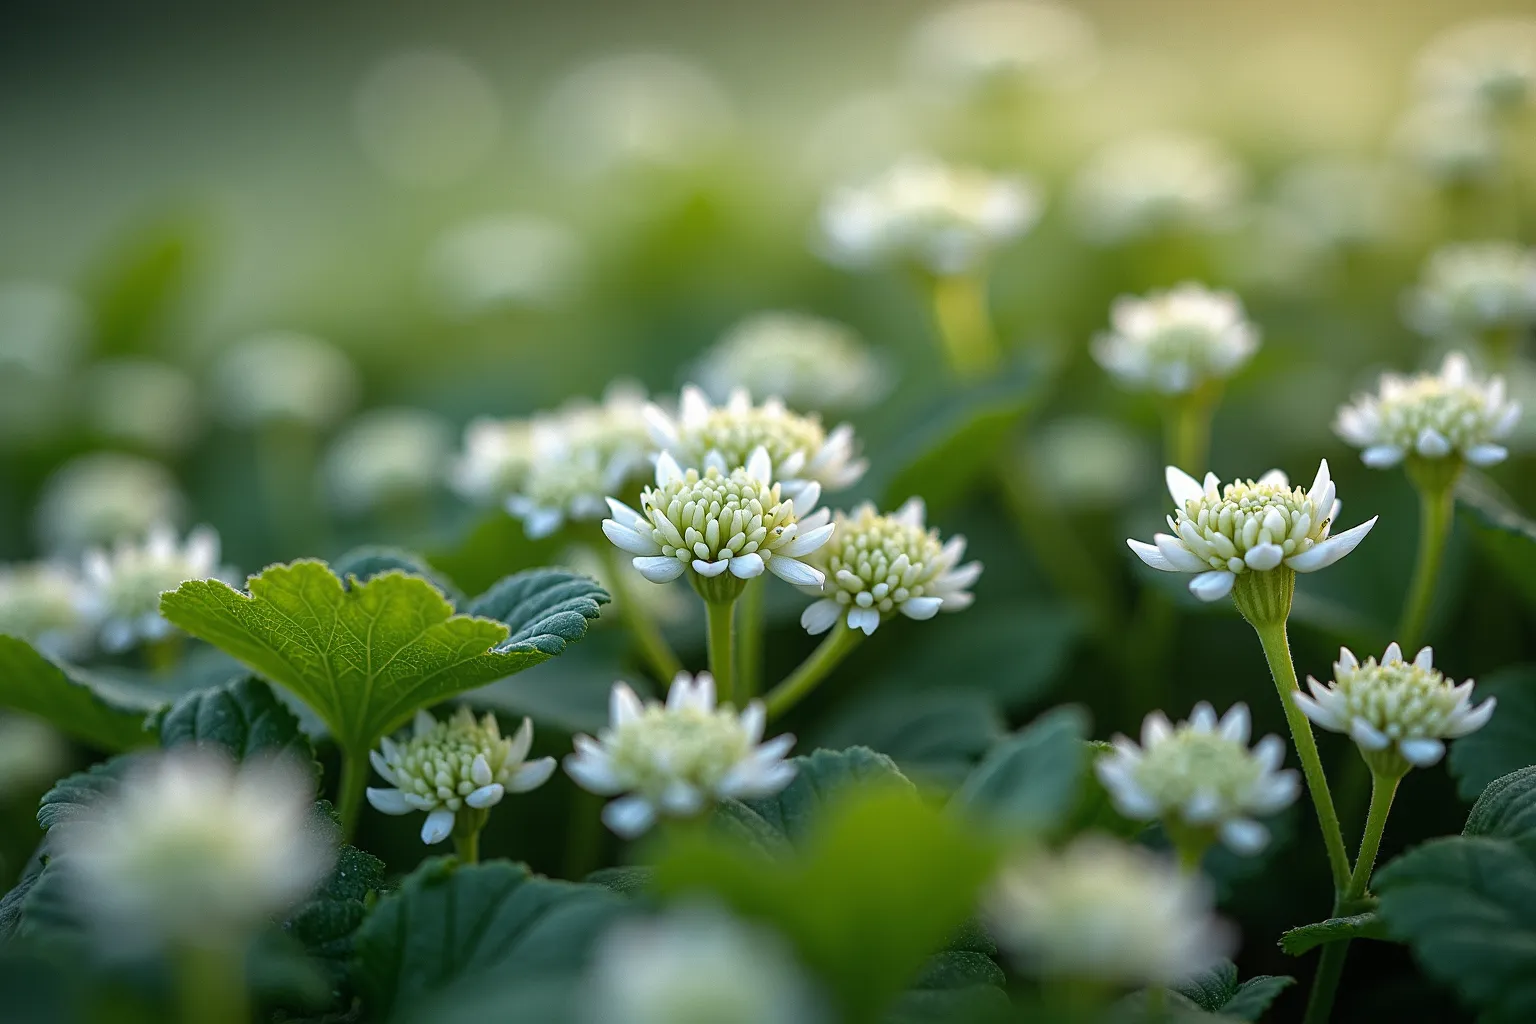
column 381, row 765
column 1421, row 752
column 539, row 523
column 820, row 616
column 486, row 796
column 1263, row 557
column 522, row 742
column 531, row 775
column 1152, row 556
column 593, row 775
column 437, row 827
column 1367, row 735
column 711, row 569
column 791, row 571
column 423, row 723
column 1179, row 556
column 1347, row 660
column 746, row 567
column 1315, row 711
column 760, row 466
column 623, row 705
column 866, row 619
column 1203, row 718
column 681, row 799
column 805, row 543
column 1431, row 444
column 1486, row 454
column 1203, row 808
column 1155, row 728
column 1392, row 655
column 626, row 516
column 1212, row 586
column 1472, row 719
column 1322, row 555
column 1243, row 835
column 753, row 720
column 807, row 495
column 1322, row 479
column 629, row 816
column 662, row 430
column 480, row 771
column 1236, row 723
column 667, row 470
column 632, row 541
column 388, row 801
column 1183, row 487
column 921, row 608
column 1425, row 659
column 659, row 568
column 716, row 461
column 1270, row 751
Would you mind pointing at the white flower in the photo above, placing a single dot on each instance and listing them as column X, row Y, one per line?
column 386, row 456
column 496, row 457
column 1176, row 340
column 1394, row 709
column 40, row 603
column 1489, row 63
column 143, row 402
column 978, row 47
column 452, row 766
column 123, row 586
column 582, row 453
column 1339, row 203
column 191, row 848
column 1448, row 141
column 805, row 360
column 1248, row 526
column 876, row 566
column 1109, row 912
column 1469, row 289
column 97, row 498
column 696, row 964
column 508, row 261
column 718, row 522
column 676, row 759
column 1431, row 416
column 1091, row 461
column 1201, row 774
column 283, row 376
column 1150, row 184
column 802, row 452
column 920, row 212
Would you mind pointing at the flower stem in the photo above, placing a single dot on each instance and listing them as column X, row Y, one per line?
column 658, row 654
column 210, row 983
column 964, row 324
column 349, row 791
column 813, row 669
column 1187, row 430
column 722, row 636
column 1436, row 507
column 749, row 629
column 467, row 846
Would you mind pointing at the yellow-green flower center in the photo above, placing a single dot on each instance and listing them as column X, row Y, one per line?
column 712, row 515
column 1399, row 699
column 665, row 745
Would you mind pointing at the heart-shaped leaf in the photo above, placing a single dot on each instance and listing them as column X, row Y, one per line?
column 104, row 713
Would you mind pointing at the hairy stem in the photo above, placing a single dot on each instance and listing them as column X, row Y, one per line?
column 1436, row 507
column 349, row 791
column 721, row 616
column 827, row 655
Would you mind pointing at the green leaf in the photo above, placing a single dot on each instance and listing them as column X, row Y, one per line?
column 1300, row 940
column 75, row 794
column 1505, row 534
column 367, row 562
column 545, row 608
column 1507, row 808
column 146, row 275
column 326, row 923
column 1217, row 991
column 955, row 985
column 1254, row 996
column 631, row 880
column 779, row 822
column 1031, row 781
column 1507, row 742
column 103, row 713
column 366, row 658
column 243, row 717
column 449, row 924
column 935, row 736
column 1212, row 989
column 570, row 693
column 493, row 547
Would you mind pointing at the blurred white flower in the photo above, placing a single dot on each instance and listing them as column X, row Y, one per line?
column 857, row 135
column 1091, row 462
column 32, row 755
column 1248, row 526
column 122, row 591
column 1339, row 203
column 1398, row 713
column 1201, row 775
column 1471, row 289
column 943, row 219
column 676, row 759
column 1105, row 911
column 878, row 565
column 97, row 498
column 1431, row 416
column 426, row 118
column 43, row 329
column 40, row 602
column 1449, row 142
column 283, row 376
column 802, row 452
column 191, row 849
column 504, row 261
column 496, row 457
column 1490, row 63
column 980, row 47
column 1175, row 341
column 807, row 361
column 144, row 402
column 630, row 112
column 450, row 766
column 696, row 964
column 386, row 456
column 1151, row 184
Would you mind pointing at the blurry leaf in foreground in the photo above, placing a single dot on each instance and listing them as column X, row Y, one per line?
column 143, row 280
column 1508, row 742
column 1032, row 780
column 107, row 714
column 1506, row 535
column 781, row 822
column 1218, row 991
column 935, row 736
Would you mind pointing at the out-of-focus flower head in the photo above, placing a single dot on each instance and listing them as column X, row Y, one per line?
column 426, row 118
column 32, row 754
column 143, row 402
column 1104, row 911
column 1469, row 290
column 495, row 461
column 192, row 849
column 1449, row 142
column 123, row 586
column 512, row 261
column 876, row 566
column 40, row 602
column 696, row 964
column 283, row 376
column 1177, row 340
column 97, row 498
column 454, row 766
column 1157, row 183
column 990, row 46
column 1431, row 416
column 1489, row 64
column 677, row 759
column 386, row 456
column 926, row 214
column 1339, row 203
column 1091, row 462
column 808, row 361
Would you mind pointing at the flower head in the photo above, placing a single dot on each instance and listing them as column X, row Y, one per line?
column 453, row 766
column 1489, row 64
column 386, row 456
column 40, row 602
column 1431, row 416
column 1106, row 911
column 500, row 262
column 97, row 498
column 986, row 45
column 496, row 458
column 1399, row 713
column 720, row 525
column 1248, row 526
column 284, row 376
column 192, row 848
column 1201, row 774
column 123, row 586
column 1448, row 141
column 1149, row 184
column 878, row 565
column 1472, row 288
column 942, row 219
column 676, row 759
column 801, row 359
column 1176, row 340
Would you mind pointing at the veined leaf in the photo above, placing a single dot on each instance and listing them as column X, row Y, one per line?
column 1336, row 929
column 103, row 713
column 242, row 716
column 1507, row 808
column 367, row 562
column 935, row 736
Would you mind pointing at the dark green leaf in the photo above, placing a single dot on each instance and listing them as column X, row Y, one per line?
column 1217, row 991
column 495, row 546
column 1507, row 742
column 243, row 717
column 784, row 819
column 324, row 924
column 1031, row 781
column 367, row 562
column 626, row 881
column 1507, row 808
column 545, row 608
column 934, row 736
column 75, row 794
column 103, row 713
column 1212, row 989
column 1336, row 929
column 955, row 985
column 1254, row 996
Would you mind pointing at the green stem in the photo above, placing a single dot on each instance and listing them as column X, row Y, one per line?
column 349, row 793
column 964, row 323
column 827, row 655
column 632, row 608
column 210, row 982
column 467, row 846
column 722, row 635
column 1187, row 430
column 749, row 636
column 1277, row 651
column 1436, row 507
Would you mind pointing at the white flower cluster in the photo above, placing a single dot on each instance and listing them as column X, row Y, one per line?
column 1471, row 289
column 1248, row 526
column 508, row 261
column 496, row 458
column 923, row 213
column 1174, row 341
column 679, row 758
column 1449, row 142
column 1399, row 713
column 454, row 766
column 386, row 457
column 989, row 45
column 97, row 498
column 876, row 566
column 1201, row 775
column 1150, row 184
column 42, row 603
column 1487, row 65
column 1103, row 911
column 1431, row 416
column 122, row 591
column 804, row 360
column 284, row 376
